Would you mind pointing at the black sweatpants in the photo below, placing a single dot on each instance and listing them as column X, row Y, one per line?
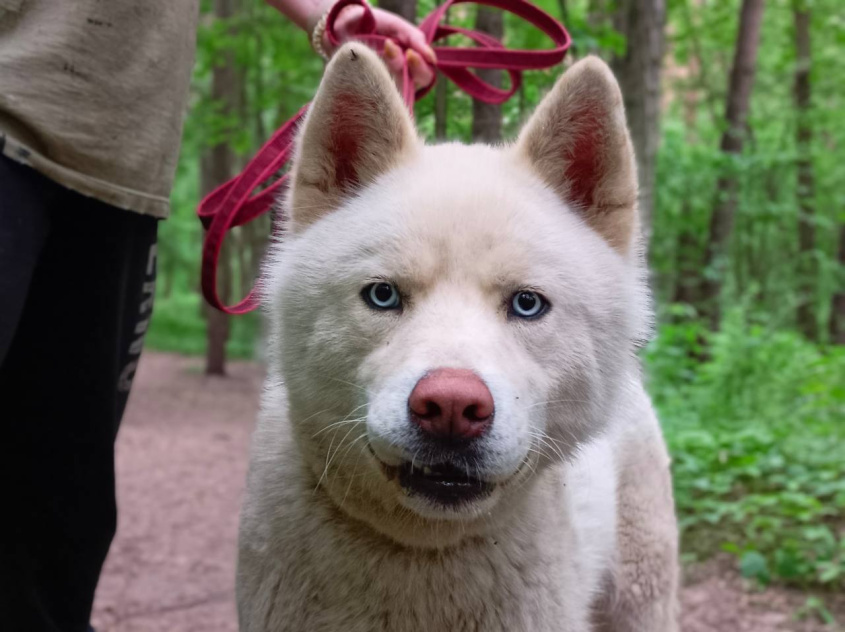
column 76, row 293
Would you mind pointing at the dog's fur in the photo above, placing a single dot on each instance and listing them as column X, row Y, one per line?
column 579, row 533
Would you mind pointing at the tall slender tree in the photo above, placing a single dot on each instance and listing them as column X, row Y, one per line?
column 487, row 117
column 736, row 112
column 806, row 176
column 643, row 23
column 837, row 306
column 406, row 8
column 218, row 165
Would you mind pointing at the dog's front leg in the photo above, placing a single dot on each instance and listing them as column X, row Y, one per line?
column 642, row 595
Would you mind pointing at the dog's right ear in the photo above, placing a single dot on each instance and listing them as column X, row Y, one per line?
column 356, row 129
column 578, row 142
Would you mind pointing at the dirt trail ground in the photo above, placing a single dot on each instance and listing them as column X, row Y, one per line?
column 181, row 463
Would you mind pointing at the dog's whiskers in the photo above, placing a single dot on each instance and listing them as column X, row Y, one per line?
column 552, row 444
column 330, row 456
column 342, row 421
column 558, row 401
column 532, row 466
column 352, row 443
column 337, row 450
column 358, row 386
column 355, row 467
column 319, row 412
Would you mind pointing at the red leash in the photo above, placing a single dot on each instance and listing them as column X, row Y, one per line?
column 233, row 204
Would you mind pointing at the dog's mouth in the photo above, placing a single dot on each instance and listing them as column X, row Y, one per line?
column 443, row 484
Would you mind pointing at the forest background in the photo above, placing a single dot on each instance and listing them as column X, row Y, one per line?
column 737, row 111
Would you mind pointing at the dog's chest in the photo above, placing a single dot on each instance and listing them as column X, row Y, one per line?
column 489, row 586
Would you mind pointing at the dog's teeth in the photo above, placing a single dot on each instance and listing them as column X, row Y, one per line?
column 426, row 470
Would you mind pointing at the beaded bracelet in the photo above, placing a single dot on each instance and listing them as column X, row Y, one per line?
column 319, row 32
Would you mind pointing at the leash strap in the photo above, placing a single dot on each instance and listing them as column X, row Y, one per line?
column 234, row 203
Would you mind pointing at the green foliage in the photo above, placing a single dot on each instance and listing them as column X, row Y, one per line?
column 758, row 447
column 814, row 608
column 765, row 267
column 753, row 413
column 180, row 327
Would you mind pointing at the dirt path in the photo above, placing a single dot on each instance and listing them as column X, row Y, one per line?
column 181, row 463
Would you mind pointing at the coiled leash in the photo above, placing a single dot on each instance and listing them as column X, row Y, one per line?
column 234, row 204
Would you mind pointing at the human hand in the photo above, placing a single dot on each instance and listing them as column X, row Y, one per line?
column 418, row 54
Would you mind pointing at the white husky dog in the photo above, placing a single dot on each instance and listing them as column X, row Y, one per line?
column 454, row 434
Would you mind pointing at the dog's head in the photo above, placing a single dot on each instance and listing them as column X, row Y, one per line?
column 450, row 320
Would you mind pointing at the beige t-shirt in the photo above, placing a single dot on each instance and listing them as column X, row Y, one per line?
column 93, row 92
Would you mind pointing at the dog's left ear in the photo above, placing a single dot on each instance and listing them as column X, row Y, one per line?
column 578, row 142
column 356, row 129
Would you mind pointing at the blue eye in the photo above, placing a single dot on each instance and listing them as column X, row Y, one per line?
column 527, row 304
column 382, row 296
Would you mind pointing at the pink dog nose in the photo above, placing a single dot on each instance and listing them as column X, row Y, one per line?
column 452, row 403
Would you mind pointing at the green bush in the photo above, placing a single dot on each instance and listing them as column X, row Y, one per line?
column 178, row 326
column 758, row 447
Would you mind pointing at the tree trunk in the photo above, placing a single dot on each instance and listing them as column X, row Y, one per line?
column 406, row 8
column 736, row 112
column 441, row 104
column 685, row 288
column 487, row 117
column 598, row 13
column 642, row 22
column 837, row 307
column 258, row 230
column 219, row 165
column 806, row 177
column 699, row 69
